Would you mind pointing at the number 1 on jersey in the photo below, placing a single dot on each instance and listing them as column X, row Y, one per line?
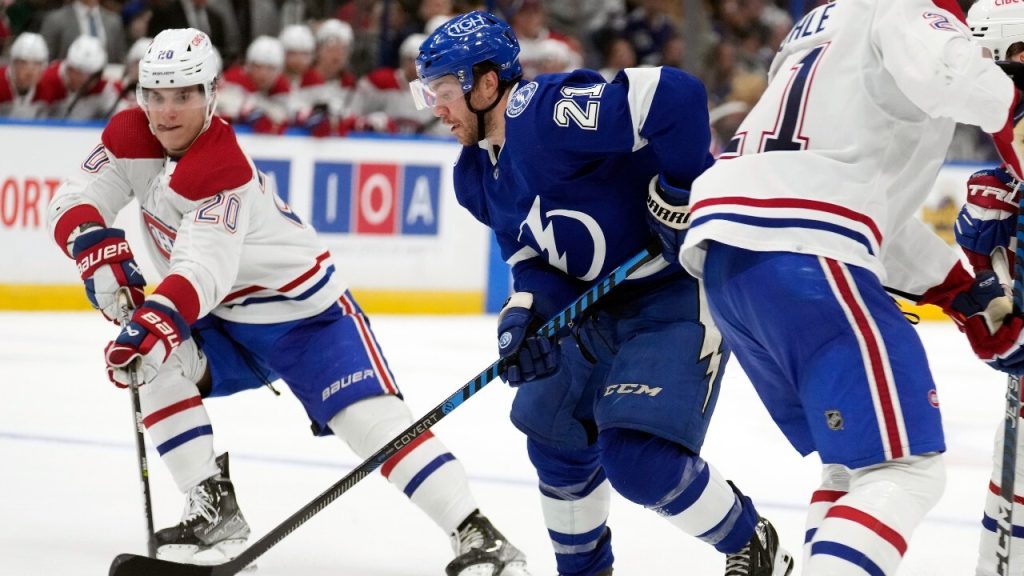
column 786, row 135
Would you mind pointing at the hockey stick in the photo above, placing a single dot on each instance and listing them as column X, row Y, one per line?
column 134, row 565
column 124, row 315
column 1008, row 466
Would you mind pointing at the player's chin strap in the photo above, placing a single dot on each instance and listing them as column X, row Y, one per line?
column 480, row 121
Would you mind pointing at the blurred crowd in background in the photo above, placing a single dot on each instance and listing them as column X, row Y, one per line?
column 332, row 67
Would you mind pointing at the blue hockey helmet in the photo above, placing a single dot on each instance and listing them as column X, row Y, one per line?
column 459, row 44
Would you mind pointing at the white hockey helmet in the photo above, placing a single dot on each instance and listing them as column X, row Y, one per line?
column 138, row 50
column 997, row 25
column 334, row 30
column 410, row 47
column 297, row 38
column 180, row 57
column 87, row 54
column 30, row 46
column 265, row 50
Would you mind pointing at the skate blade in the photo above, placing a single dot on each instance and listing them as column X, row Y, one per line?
column 484, row 569
column 515, row 568
column 219, row 553
column 783, row 563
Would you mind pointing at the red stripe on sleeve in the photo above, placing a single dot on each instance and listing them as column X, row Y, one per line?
column 73, row 218
column 182, row 294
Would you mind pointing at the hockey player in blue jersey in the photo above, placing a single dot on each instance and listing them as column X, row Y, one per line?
column 560, row 169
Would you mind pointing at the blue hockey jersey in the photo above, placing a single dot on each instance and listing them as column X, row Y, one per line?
column 565, row 193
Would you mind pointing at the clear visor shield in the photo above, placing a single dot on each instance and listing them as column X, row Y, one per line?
column 437, row 92
column 162, row 100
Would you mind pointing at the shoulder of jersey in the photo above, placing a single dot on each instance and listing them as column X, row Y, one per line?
column 383, row 78
column 51, row 88
column 127, row 136
column 213, row 164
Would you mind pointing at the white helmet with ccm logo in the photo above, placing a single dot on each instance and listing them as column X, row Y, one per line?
column 177, row 58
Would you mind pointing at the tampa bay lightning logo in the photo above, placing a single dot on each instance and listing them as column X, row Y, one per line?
column 520, row 99
column 505, row 340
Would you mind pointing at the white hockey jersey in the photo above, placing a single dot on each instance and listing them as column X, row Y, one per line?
column 215, row 227
column 842, row 149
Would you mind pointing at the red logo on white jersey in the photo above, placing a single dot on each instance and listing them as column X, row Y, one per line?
column 163, row 235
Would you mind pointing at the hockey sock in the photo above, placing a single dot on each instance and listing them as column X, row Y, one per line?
column 835, row 483
column 176, row 419
column 424, row 470
column 867, row 530
column 574, row 497
column 679, row 485
column 993, row 501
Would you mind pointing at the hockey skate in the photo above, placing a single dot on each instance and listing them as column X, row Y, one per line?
column 212, row 528
column 762, row 556
column 480, row 550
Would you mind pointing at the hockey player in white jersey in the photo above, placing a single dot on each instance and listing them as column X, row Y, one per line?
column 807, row 220
column 248, row 295
column 987, row 221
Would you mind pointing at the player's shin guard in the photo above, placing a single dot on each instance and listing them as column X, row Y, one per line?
column 993, row 501
column 575, row 499
column 678, row 485
column 835, row 483
column 176, row 420
column 867, row 530
column 425, row 470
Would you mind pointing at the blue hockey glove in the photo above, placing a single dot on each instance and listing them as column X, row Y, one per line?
column 984, row 314
column 988, row 218
column 668, row 215
column 527, row 356
column 106, row 264
column 153, row 333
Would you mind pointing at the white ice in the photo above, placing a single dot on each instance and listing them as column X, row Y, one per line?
column 70, row 497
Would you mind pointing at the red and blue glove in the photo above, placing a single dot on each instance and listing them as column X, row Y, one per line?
column 988, row 219
column 527, row 356
column 668, row 215
column 984, row 313
column 106, row 264
column 154, row 332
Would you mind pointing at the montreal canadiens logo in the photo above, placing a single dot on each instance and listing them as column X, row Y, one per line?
column 520, row 99
column 466, row 26
column 933, row 398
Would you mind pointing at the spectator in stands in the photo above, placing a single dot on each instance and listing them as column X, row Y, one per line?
column 618, row 54
column 256, row 93
column 74, row 88
column 333, row 49
column 383, row 102
column 191, row 14
column 130, row 79
column 649, row 27
column 84, row 18
column 18, row 80
column 528, row 22
column 307, row 98
column 245, row 20
column 554, row 56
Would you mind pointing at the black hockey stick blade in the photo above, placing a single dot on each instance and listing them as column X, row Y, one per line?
column 131, row 564
column 134, row 565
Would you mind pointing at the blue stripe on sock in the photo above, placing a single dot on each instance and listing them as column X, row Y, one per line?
column 810, row 535
column 183, row 438
column 855, row 557
column 427, row 471
column 989, row 523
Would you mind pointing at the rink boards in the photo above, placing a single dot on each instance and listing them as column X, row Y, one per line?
column 384, row 206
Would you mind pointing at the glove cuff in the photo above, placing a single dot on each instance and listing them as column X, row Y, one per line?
column 675, row 216
column 516, row 300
